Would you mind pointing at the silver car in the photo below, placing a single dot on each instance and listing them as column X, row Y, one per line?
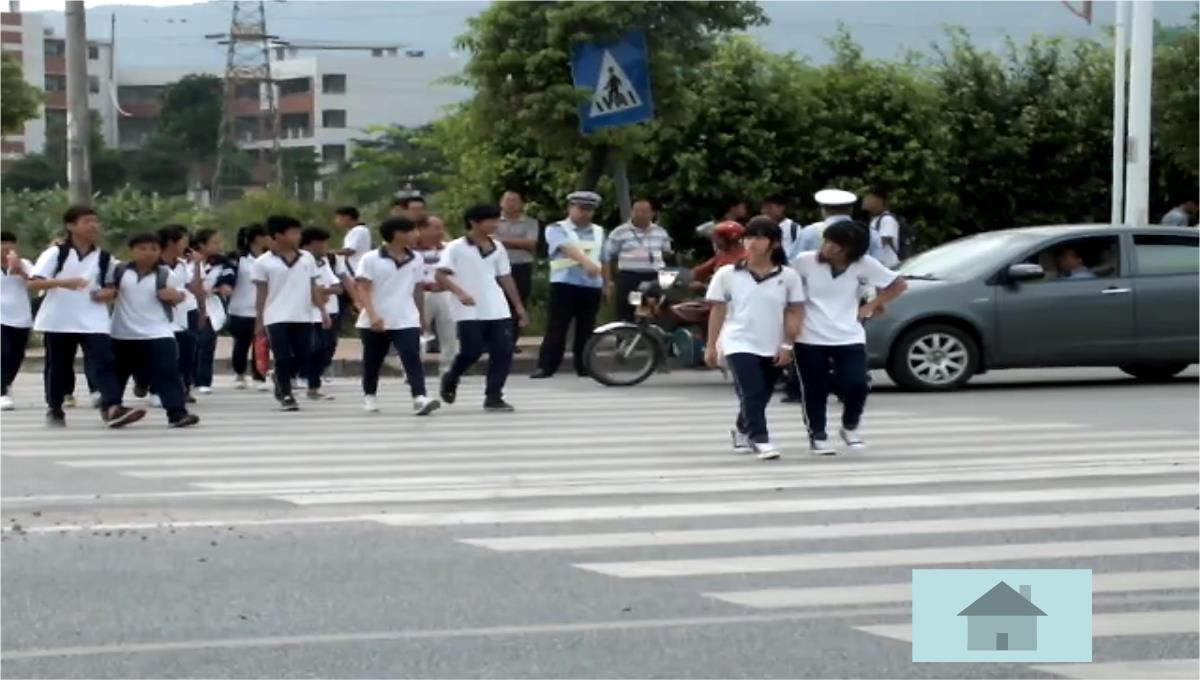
column 1044, row 296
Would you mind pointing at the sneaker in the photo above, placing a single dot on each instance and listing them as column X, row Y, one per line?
column 288, row 403
column 120, row 416
column 96, row 399
column 6, row 403
column 497, row 405
column 423, row 405
column 448, row 391
column 154, row 401
column 852, row 439
column 741, row 442
column 370, row 405
column 820, row 446
column 326, row 380
column 69, row 401
column 239, row 382
column 766, row 451
column 204, row 390
column 541, row 375
column 139, row 391
column 190, row 399
column 186, row 421
column 56, row 418
column 318, row 395
column 262, row 386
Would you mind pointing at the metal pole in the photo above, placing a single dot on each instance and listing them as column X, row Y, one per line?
column 79, row 123
column 1120, row 50
column 621, row 181
column 1141, row 74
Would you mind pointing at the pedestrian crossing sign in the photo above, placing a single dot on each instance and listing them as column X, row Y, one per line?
column 617, row 74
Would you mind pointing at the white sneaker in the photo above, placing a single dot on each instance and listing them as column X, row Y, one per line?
column 69, row 401
column 204, row 390
column 326, row 380
column 262, row 386
column 852, row 439
column 239, row 382
column 423, row 405
column 767, row 451
column 741, row 442
column 370, row 405
column 96, row 399
column 821, row 447
column 154, row 401
column 6, row 403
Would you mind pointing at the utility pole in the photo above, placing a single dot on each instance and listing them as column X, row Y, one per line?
column 79, row 119
column 1120, row 50
column 1137, row 152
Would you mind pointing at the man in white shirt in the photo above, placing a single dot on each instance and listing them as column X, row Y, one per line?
column 439, row 302
column 885, row 224
column 177, row 255
column 287, row 282
column 16, row 316
column 476, row 270
column 315, row 241
column 74, row 314
column 358, row 236
column 148, row 295
column 391, row 280
column 639, row 248
column 775, row 207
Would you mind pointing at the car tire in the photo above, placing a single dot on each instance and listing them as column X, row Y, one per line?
column 933, row 358
column 1153, row 372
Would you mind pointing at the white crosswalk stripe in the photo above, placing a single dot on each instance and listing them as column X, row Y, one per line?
column 640, row 485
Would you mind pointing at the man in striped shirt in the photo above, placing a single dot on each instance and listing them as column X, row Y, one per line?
column 639, row 248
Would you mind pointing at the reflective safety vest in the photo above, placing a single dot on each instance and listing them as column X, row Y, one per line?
column 592, row 248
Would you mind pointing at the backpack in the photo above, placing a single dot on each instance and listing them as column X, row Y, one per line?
column 906, row 245
column 161, row 273
column 64, row 251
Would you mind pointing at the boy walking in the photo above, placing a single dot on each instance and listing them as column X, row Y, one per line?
column 476, row 270
column 439, row 302
column 315, row 241
column 16, row 315
column 390, row 290
column 287, row 291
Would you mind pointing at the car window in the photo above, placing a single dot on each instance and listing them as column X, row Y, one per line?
column 1093, row 257
column 966, row 257
column 1162, row 254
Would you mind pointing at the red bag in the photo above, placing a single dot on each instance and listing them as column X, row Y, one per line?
column 262, row 354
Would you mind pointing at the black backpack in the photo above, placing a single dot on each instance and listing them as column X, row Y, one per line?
column 64, row 251
column 161, row 273
column 906, row 245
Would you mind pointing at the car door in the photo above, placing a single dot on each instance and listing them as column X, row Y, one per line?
column 1166, row 296
column 1059, row 321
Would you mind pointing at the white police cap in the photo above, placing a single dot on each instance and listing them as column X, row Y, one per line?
column 587, row 199
column 835, row 197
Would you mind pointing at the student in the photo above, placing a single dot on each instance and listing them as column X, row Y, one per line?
column 183, row 263
column 252, row 242
column 287, row 290
column 390, row 289
column 74, row 314
column 357, row 241
column 148, row 293
column 411, row 208
column 219, row 278
column 833, row 332
column 757, row 312
column 16, row 315
column 315, row 241
column 476, row 270
column 439, row 302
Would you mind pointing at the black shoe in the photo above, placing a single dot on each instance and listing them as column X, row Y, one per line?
column 540, row 374
column 120, row 416
column 186, row 421
column 56, row 418
column 288, row 403
column 583, row 374
column 791, row 399
column 447, row 391
column 497, row 405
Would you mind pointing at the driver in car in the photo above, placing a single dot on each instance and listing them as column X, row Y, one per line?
column 1071, row 266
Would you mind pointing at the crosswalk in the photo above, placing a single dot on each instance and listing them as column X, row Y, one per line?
column 639, row 486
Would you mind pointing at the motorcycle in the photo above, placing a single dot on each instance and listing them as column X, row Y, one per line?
column 668, row 329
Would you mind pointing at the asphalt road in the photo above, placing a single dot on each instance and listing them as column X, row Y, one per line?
column 594, row 533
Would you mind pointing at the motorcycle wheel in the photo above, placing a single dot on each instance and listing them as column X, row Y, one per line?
column 621, row 357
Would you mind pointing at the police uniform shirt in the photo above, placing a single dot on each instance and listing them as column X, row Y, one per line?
column 831, row 307
column 565, row 233
column 15, row 309
column 65, row 310
column 289, row 287
column 138, row 313
column 754, row 308
column 476, row 271
column 393, row 282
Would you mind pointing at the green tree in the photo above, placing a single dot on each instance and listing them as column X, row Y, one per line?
column 191, row 119
column 392, row 158
column 37, row 172
column 1176, row 134
column 19, row 101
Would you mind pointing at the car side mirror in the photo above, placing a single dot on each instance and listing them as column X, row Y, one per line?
column 1025, row 272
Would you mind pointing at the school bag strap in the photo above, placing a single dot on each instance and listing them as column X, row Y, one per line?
column 64, row 251
column 161, row 277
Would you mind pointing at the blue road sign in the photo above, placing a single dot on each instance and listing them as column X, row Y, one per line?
column 618, row 76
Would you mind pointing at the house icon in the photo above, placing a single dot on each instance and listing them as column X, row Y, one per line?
column 1002, row 619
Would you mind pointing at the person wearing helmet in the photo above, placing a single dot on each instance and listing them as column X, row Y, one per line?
column 727, row 249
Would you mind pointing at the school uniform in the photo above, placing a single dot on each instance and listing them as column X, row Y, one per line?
column 751, row 337
column 324, row 340
column 486, row 325
column 833, row 335
column 16, row 318
column 439, row 309
column 287, row 315
column 574, row 297
column 241, row 314
column 357, row 239
column 639, row 254
column 216, row 272
column 186, row 322
column 70, row 319
column 393, row 283
column 144, row 335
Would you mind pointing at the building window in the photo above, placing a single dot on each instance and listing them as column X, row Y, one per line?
column 246, row 91
column 333, row 83
column 333, row 118
column 56, row 118
column 93, row 84
column 93, row 52
column 56, row 83
column 333, row 153
column 55, row 48
column 295, row 125
column 293, row 86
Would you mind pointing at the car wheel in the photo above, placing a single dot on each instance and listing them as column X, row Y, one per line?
column 933, row 357
column 1153, row 372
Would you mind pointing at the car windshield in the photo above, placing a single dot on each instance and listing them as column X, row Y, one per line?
column 966, row 257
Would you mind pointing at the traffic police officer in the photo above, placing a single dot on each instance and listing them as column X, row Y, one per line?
column 836, row 205
column 578, row 282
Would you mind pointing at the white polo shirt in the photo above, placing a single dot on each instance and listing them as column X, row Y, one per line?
column 392, row 284
column 357, row 239
column 138, row 313
column 241, row 301
column 887, row 227
column 184, row 270
column 326, row 278
column 15, row 310
column 71, row 311
column 754, row 308
column 289, row 287
column 831, row 310
column 475, row 272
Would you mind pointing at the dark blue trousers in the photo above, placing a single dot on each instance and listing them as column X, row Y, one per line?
column 476, row 337
column 754, row 379
column 375, row 346
column 291, row 345
column 154, row 363
column 60, row 367
column 849, row 382
column 13, row 342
